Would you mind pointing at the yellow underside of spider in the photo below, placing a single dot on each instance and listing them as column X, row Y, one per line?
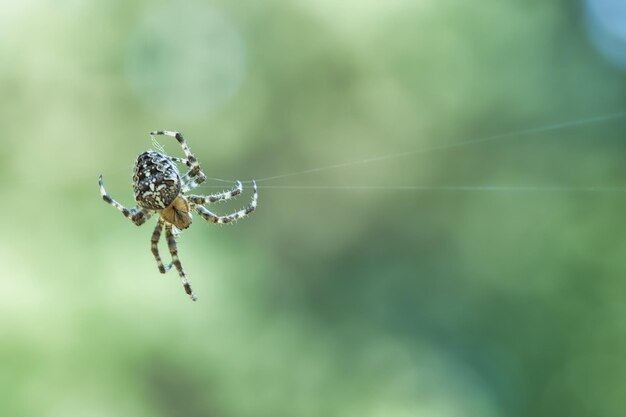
column 178, row 213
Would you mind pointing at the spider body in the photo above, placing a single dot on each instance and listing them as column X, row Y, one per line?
column 156, row 181
column 159, row 188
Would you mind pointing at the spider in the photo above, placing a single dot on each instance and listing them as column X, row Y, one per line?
column 159, row 188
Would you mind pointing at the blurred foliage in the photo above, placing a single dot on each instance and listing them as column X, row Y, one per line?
column 366, row 303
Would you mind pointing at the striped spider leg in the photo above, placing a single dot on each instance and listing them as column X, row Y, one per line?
column 154, row 241
column 197, row 202
column 194, row 176
column 135, row 215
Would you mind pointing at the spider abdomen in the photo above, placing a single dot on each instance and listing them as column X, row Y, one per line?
column 156, row 181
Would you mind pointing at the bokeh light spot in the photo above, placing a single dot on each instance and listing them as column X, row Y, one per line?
column 606, row 23
column 185, row 60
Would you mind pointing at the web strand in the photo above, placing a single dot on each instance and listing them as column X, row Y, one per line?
column 493, row 138
column 444, row 188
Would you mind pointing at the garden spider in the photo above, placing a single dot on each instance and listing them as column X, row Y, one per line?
column 159, row 188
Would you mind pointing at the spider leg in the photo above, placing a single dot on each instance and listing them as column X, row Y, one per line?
column 214, row 198
column 190, row 182
column 179, row 160
column 213, row 218
column 195, row 176
column 138, row 217
column 156, row 235
column 187, row 179
column 171, row 243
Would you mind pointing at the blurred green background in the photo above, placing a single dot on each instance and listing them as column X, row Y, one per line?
column 326, row 302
